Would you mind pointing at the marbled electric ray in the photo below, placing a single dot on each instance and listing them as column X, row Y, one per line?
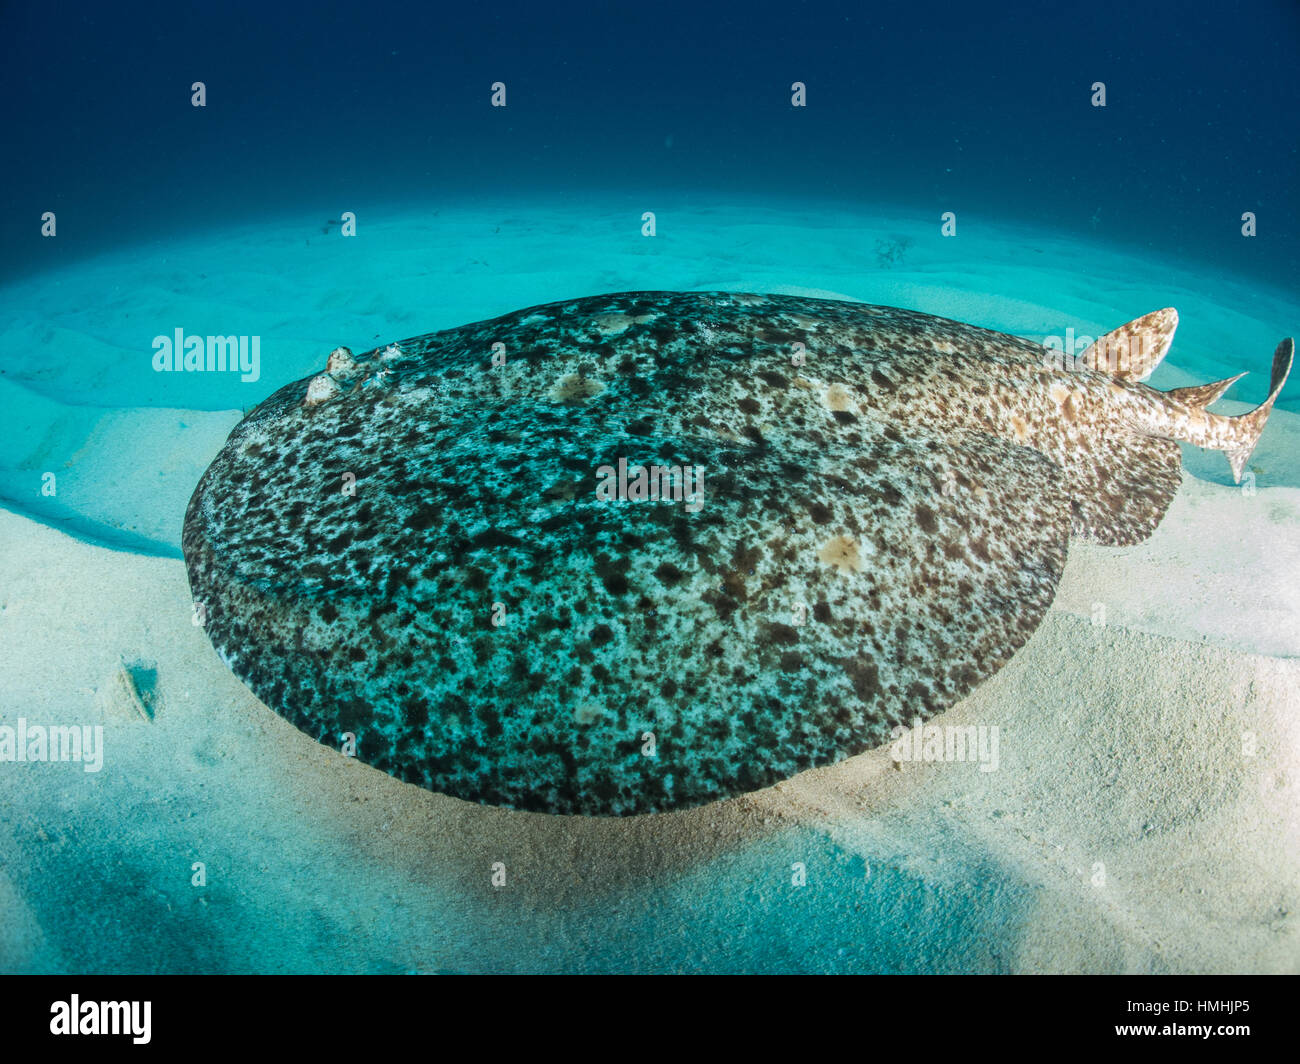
column 418, row 546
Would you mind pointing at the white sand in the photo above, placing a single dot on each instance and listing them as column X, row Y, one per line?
column 1121, row 745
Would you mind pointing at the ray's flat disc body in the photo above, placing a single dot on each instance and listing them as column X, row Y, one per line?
column 421, row 556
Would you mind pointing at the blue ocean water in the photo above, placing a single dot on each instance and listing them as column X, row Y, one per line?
column 224, row 218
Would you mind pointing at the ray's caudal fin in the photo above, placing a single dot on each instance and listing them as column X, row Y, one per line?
column 1236, row 436
column 1245, row 429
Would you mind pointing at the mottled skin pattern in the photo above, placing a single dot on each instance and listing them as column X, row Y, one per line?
column 885, row 519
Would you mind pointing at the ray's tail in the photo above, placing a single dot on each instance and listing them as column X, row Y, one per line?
column 1235, row 436
column 1120, row 497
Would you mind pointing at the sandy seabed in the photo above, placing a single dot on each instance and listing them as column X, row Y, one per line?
column 1143, row 816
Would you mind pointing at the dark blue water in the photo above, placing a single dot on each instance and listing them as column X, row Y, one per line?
column 983, row 110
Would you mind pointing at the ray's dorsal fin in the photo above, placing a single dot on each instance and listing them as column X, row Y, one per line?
column 1202, row 395
column 1132, row 351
